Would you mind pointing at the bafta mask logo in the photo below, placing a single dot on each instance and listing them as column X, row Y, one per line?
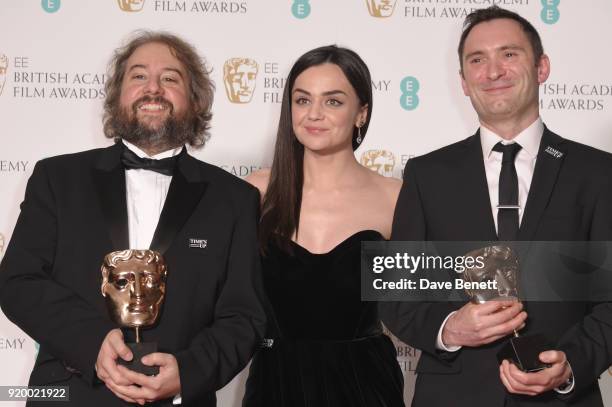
column 131, row 5
column 134, row 285
column 239, row 76
column 380, row 161
column 381, row 8
column 4, row 63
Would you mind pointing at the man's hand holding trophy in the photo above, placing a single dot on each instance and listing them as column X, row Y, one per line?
column 527, row 363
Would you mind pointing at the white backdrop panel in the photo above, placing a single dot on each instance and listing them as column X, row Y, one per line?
column 53, row 56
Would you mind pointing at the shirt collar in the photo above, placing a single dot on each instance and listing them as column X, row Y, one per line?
column 529, row 139
column 142, row 154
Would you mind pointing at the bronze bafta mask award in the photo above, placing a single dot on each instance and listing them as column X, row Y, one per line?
column 501, row 266
column 134, row 284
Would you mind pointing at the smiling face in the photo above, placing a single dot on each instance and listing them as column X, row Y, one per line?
column 325, row 108
column 134, row 284
column 154, row 87
column 500, row 75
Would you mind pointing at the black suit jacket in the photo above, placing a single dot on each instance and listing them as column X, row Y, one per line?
column 445, row 198
column 74, row 212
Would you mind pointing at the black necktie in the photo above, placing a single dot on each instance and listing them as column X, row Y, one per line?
column 164, row 166
column 508, row 206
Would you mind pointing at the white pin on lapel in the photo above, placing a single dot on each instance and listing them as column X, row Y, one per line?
column 198, row 243
column 554, row 152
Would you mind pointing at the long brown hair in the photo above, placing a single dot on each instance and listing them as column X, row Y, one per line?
column 281, row 205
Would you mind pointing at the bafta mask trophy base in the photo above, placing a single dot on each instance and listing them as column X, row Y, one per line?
column 501, row 266
column 139, row 350
column 524, row 352
column 134, row 285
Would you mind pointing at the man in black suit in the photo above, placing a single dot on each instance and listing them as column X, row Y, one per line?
column 555, row 189
column 143, row 192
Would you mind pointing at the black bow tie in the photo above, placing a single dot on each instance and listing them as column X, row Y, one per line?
column 164, row 166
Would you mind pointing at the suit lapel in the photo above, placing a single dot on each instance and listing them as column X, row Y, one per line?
column 109, row 182
column 474, row 185
column 185, row 192
column 545, row 175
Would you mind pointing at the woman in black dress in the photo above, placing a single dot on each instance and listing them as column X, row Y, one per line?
column 325, row 346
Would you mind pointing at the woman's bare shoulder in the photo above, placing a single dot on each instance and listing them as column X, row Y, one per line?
column 390, row 186
column 259, row 179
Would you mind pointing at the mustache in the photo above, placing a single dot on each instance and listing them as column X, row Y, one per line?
column 153, row 99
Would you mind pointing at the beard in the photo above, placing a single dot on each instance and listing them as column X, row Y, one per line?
column 171, row 133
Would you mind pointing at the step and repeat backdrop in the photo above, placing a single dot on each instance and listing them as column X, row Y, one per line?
column 53, row 56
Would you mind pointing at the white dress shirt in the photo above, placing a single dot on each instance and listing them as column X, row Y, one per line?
column 146, row 193
column 529, row 139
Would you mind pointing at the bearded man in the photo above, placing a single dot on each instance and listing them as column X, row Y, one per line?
column 144, row 192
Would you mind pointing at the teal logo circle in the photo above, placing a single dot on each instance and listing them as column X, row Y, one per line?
column 51, row 6
column 300, row 8
column 550, row 13
column 36, row 349
column 409, row 88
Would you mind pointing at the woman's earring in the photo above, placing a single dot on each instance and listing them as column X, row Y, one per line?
column 359, row 138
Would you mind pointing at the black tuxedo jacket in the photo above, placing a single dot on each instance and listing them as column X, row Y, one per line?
column 445, row 198
column 74, row 212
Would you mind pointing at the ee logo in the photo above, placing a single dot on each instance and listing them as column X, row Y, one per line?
column 50, row 6
column 300, row 8
column 550, row 12
column 409, row 86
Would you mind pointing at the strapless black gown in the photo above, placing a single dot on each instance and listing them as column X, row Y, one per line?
column 328, row 349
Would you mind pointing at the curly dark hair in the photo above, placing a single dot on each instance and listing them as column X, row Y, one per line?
column 201, row 88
